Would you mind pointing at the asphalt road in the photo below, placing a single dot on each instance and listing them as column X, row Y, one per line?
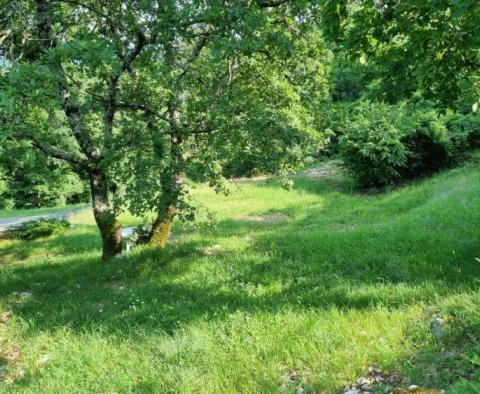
column 7, row 223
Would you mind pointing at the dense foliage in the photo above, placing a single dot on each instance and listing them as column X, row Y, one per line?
column 384, row 144
column 431, row 47
column 402, row 53
column 29, row 179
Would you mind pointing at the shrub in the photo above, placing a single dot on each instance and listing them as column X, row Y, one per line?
column 427, row 142
column 38, row 229
column 371, row 146
column 385, row 144
column 464, row 132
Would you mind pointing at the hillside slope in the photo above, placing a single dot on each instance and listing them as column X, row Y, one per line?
column 304, row 288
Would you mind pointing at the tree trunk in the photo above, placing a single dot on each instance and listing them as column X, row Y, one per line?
column 162, row 227
column 109, row 226
column 172, row 181
column 167, row 208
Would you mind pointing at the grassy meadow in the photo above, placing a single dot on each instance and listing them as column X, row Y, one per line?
column 305, row 288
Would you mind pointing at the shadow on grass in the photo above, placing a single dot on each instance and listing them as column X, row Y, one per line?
column 150, row 289
column 77, row 240
column 302, row 263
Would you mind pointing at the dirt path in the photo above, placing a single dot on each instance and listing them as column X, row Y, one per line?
column 7, row 223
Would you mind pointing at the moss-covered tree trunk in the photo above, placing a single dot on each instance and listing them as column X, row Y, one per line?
column 167, row 208
column 105, row 216
column 162, row 227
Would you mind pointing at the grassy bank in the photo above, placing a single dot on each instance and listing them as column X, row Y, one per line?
column 304, row 288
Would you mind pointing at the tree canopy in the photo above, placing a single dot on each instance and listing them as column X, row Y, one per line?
column 428, row 47
column 129, row 94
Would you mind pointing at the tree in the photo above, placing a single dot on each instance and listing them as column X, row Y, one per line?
column 111, row 88
column 240, row 94
column 429, row 47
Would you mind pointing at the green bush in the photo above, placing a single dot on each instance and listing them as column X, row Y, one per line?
column 332, row 118
column 464, row 132
column 385, row 144
column 371, row 145
column 38, row 229
column 427, row 142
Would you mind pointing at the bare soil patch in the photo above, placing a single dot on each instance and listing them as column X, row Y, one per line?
column 267, row 218
column 326, row 170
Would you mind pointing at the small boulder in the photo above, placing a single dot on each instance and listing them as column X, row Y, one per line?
column 437, row 326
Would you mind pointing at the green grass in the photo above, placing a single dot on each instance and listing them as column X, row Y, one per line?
column 14, row 213
column 332, row 283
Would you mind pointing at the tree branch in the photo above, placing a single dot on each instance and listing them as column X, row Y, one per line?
column 141, row 42
column 220, row 89
column 111, row 101
column 227, row 79
column 70, row 108
column 201, row 43
column 272, row 4
column 144, row 108
column 93, row 9
column 59, row 154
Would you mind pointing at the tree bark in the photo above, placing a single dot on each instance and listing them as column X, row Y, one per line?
column 171, row 177
column 105, row 216
column 172, row 183
column 167, row 208
column 162, row 227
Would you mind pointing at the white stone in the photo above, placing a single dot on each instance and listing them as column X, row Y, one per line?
column 362, row 381
column 437, row 326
